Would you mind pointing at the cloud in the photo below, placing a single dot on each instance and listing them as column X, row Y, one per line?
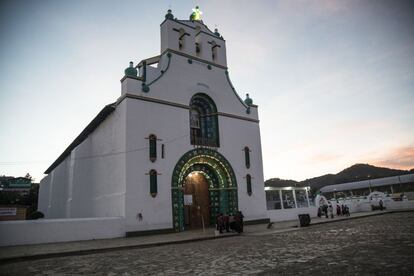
column 398, row 158
column 323, row 157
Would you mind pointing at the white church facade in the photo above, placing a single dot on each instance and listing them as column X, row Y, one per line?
column 177, row 147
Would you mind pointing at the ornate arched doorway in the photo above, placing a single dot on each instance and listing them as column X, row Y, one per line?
column 219, row 195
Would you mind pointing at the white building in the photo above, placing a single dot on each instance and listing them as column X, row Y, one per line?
column 177, row 147
column 393, row 185
column 286, row 202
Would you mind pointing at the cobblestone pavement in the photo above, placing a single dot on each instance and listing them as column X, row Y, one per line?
column 377, row 245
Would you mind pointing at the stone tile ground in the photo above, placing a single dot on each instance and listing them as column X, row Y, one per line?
column 377, row 245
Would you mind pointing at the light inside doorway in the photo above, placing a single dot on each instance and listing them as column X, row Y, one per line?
column 196, row 201
column 194, row 175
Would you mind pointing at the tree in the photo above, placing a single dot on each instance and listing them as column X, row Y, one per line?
column 28, row 176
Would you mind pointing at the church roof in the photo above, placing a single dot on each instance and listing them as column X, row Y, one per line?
column 102, row 115
column 194, row 24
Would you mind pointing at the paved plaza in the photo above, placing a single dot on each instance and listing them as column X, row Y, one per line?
column 377, row 245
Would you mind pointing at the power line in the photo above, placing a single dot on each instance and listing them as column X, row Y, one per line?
column 17, row 163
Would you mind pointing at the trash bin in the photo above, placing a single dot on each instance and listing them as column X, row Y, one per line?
column 304, row 220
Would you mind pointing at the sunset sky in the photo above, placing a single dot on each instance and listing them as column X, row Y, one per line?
column 334, row 80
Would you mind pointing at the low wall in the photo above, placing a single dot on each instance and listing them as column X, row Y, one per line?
column 290, row 214
column 60, row 230
column 400, row 205
column 364, row 205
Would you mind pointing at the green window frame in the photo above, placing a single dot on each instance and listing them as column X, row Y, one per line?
column 152, row 147
column 247, row 156
column 249, row 184
column 204, row 127
column 153, row 183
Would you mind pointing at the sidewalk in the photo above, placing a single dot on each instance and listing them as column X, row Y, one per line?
column 293, row 225
column 40, row 251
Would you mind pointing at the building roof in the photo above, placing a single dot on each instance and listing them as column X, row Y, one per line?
column 102, row 115
column 406, row 178
column 193, row 24
column 279, row 183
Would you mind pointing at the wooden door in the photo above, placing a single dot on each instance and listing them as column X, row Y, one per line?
column 196, row 185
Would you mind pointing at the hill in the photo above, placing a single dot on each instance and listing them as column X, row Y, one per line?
column 356, row 172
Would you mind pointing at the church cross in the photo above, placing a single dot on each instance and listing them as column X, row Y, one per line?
column 213, row 44
column 181, row 32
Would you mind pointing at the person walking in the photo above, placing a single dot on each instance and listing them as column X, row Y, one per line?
column 220, row 223
column 347, row 211
column 239, row 221
column 226, row 222
column 381, row 205
column 330, row 210
column 325, row 210
column 232, row 223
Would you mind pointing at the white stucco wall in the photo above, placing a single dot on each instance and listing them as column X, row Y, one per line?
column 234, row 136
column 90, row 182
column 167, row 123
column 365, row 205
column 59, row 230
column 291, row 214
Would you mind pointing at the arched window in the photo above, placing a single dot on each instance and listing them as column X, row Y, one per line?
column 247, row 156
column 152, row 147
column 204, row 130
column 153, row 183
column 249, row 184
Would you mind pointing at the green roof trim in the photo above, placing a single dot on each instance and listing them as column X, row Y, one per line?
column 146, row 87
column 234, row 90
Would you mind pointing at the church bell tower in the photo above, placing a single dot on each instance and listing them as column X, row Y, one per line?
column 193, row 38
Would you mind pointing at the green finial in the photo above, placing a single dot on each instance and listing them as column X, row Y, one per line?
column 169, row 14
column 131, row 71
column 196, row 15
column 216, row 32
column 248, row 100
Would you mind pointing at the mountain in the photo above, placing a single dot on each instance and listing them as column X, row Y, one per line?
column 356, row 172
column 277, row 182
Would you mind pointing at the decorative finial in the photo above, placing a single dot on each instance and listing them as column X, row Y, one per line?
column 216, row 32
column 196, row 15
column 131, row 71
column 169, row 14
column 248, row 100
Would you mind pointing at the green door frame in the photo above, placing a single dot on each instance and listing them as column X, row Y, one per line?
column 220, row 176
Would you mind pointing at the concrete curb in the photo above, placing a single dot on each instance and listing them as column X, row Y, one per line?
column 295, row 228
column 363, row 216
column 103, row 250
column 81, row 252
